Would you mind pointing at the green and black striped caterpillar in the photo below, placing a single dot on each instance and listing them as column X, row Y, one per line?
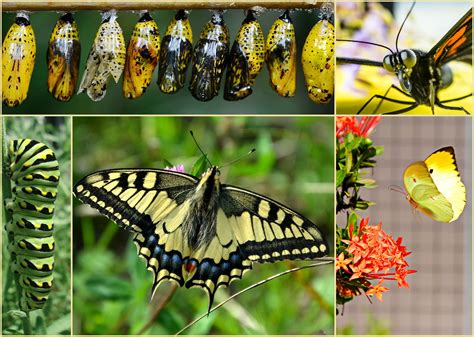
column 34, row 175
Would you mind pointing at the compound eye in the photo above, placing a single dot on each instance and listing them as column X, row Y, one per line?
column 404, row 81
column 408, row 57
column 387, row 63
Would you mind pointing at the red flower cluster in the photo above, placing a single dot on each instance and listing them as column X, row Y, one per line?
column 373, row 254
column 363, row 128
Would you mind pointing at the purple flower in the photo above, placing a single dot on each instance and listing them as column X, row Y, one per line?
column 176, row 168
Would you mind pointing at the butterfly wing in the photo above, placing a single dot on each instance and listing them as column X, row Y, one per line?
column 445, row 174
column 424, row 193
column 267, row 231
column 253, row 228
column 456, row 44
column 149, row 203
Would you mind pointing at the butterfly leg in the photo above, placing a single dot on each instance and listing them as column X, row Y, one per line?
column 441, row 104
column 412, row 105
column 386, row 94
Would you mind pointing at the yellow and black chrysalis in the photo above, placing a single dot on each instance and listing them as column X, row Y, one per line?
column 209, row 59
column 63, row 56
column 106, row 58
column 18, row 60
column 245, row 60
column 142, row 57
column 281, row 56
column 175, row 54
column 34, row 175
column 318, row 61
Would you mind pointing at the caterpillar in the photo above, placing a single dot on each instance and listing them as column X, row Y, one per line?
column 63, row 56
column 175, row 54
column 318, row 62
column 209, row 59
column 143, row 52
column 106, row 58
column 280, row 56
column 246, row 59
column 34, row 175
column 18, row 60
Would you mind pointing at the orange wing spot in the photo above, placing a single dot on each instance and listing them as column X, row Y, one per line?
column 451, row 41
column 456, row 46
column 190, row 267
column 467, row 20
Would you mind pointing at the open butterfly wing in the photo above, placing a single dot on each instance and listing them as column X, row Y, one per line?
column 253, row 228
column 268, row 231
column 456, row 44
column 148, row 203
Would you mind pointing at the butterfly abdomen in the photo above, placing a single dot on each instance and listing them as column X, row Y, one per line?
column 199, row 226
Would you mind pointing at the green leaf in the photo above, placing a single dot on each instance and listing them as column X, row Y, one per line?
column 379, row 150
column 353, row 217
column 199, row 166
column 60, row 326
column 108, row 288
column 340, row 175
column 366, row 181
column 167, row 163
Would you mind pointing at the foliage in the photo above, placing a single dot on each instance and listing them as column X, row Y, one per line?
column 293, row 164
column 364, row 253
column 55, row 317
column 354, row 153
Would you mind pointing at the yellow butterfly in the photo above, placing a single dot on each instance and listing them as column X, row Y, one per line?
column 434, row 186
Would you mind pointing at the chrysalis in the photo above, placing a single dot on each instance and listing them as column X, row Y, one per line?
column 18, row 60
column 246, row 59
column 281, row 56
column 175, row 54
column 318, row 62
column 142, row 57
column 209, row 59
column 63, row 56
column 106, row 58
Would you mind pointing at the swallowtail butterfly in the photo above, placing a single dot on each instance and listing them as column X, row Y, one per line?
column 197, row 231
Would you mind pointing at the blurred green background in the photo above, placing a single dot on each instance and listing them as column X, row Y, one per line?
column 294, row 164
column 263, row 100
column 55, row 317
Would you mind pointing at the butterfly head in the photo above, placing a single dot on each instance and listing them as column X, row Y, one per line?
column 210, row 179
column 401, row 63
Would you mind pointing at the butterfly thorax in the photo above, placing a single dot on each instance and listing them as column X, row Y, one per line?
column 418, row 74
column 199, row 227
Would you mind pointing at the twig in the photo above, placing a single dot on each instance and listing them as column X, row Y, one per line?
column 163, row 300
column 313, row 293
column 321, row 261
column 10, row 5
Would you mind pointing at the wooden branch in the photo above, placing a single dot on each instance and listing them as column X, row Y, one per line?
column 76, row 5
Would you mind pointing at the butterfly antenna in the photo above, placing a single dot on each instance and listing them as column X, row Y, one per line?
column 396, row 188
column 403, row 23
column 366, row 42
column 197, row 144
column 322, row 261
column 236, row 160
